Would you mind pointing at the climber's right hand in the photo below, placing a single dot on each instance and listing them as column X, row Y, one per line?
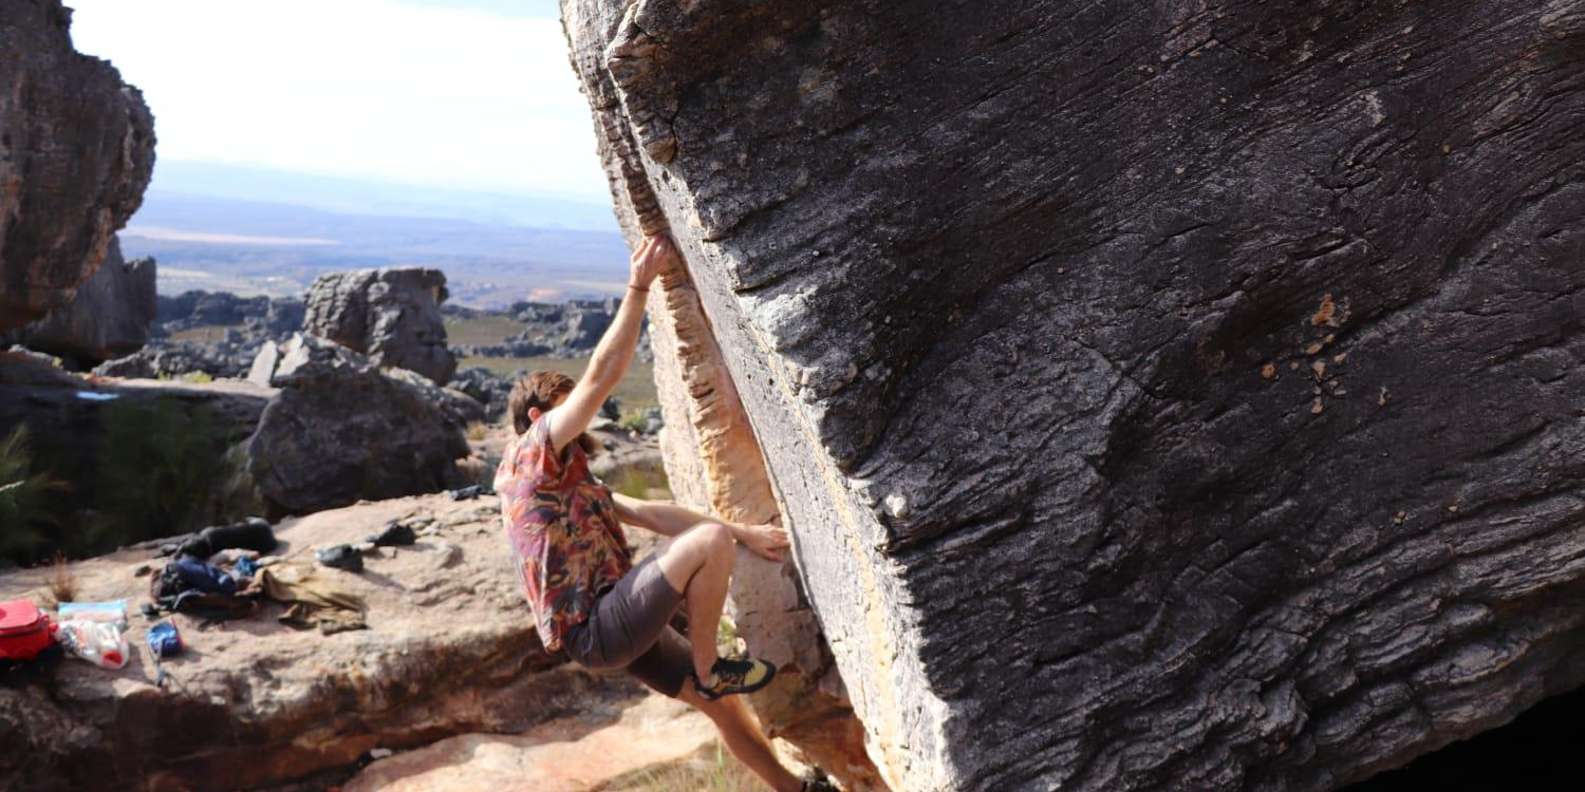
column 654, row 254
column 768, row 541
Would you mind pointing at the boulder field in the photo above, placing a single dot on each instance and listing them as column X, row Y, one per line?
column 1176, row 395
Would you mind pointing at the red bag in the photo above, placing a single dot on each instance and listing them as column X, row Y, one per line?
column 24, row 630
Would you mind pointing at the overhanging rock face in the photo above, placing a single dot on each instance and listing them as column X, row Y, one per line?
column 76, row 152
column 1163, row 395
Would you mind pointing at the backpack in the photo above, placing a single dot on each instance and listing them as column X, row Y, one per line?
column 188, row 585
column 24, row 630
column 189, row 574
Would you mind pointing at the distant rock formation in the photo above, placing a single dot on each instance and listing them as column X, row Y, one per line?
column 76, row 152
column 272, row 317
column 1176, row 395
column 486, row 387
column 391, row 315
column 166, row 360
column 560, row 330
column 231, row 331
column 343, row 430
column 110, row 316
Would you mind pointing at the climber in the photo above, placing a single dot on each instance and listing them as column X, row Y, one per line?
column 575, row 563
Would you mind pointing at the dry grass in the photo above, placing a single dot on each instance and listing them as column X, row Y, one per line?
column 477, row 431
column 63, row 582
column 640, row 482
column 712, row 769
column 483, row 330
column 203, row 334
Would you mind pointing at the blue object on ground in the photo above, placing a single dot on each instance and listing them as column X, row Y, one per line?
column 246, row 567
column 203, row 577
column 164, row 641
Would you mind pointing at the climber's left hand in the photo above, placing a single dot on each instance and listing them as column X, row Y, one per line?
column 766, row 540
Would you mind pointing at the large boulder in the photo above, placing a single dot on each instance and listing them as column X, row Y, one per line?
column 1171, row 395
column 76, row 152
column 343, row 430
column 109, row 317
column 391, row 315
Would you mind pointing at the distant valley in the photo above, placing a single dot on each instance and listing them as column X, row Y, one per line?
column 207, row 235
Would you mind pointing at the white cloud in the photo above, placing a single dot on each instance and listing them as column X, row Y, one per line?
column 384, row 89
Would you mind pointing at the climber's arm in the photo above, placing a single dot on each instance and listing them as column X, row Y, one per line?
column 768, row 540
column 615, row 350
column 666, row 519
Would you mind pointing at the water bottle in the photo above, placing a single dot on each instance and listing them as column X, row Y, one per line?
column 100, row 643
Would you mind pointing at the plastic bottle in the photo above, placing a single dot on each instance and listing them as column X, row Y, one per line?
column 100, row 643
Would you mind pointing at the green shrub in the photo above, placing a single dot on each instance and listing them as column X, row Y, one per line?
column 26, row 498
column 135, row 470
column 162, row 470
column 478, row 431
column 634, row 422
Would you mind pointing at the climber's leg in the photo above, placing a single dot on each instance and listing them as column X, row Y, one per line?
column 698, row 563
column 743, row 737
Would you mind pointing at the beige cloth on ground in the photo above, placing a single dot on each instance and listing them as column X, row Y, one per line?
column 312, row 600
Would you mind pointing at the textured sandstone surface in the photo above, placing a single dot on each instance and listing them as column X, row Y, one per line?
column 109, row 317
column 1180, row 395
column 601, row 742
column 714, row 463
column 448, row 650
column 391, row 315
column 715, row 466
column 76, row 152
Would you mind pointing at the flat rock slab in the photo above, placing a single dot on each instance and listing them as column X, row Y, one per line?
column 449, row 649
column 571, row 754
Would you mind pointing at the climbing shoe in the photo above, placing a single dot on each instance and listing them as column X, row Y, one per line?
column 736, row 676
column 817, row 782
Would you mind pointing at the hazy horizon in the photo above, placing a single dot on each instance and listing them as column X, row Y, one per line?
column 462, row 95
column 362, row 196
column 301, row 137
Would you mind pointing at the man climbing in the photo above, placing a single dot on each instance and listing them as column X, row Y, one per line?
column 575, row 564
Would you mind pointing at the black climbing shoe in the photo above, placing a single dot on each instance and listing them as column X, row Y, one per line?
column 471, row 492
column 341, row 557
column 395, row 534
column 736, row 676
column 817, row 782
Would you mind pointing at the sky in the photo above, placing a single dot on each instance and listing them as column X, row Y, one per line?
column 461, row 94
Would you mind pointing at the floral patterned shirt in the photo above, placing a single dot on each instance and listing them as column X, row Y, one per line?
column 566, row 541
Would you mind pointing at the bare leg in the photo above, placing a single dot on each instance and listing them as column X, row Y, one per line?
column 743, row 738
column 699, row 563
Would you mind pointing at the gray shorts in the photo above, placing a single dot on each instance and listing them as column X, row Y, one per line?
column 630, row 628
